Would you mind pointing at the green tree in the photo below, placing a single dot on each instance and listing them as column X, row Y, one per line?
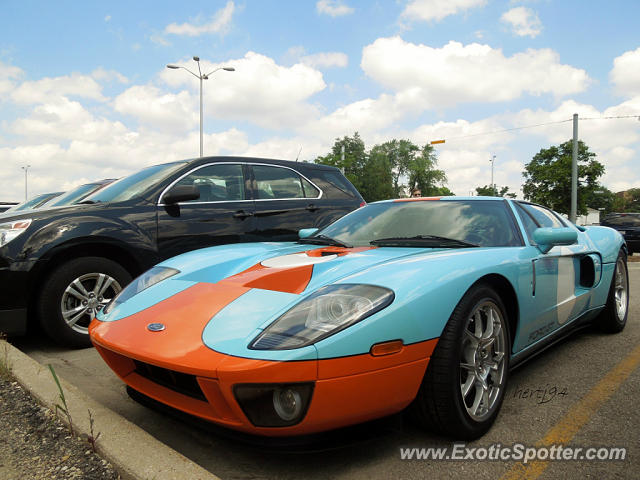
column 548, row 177
column 423, row 173
column 355, row 159
column 487, row 191
column 378, row 174
column 377, row 178
column 399, row 154
column 627, row 201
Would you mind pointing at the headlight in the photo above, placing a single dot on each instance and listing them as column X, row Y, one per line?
column 144, row 281
column 327, row 311
column 10, row 230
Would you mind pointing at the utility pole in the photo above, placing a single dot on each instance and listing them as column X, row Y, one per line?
column 26, row 169
column 574, row 172
column 493, row 187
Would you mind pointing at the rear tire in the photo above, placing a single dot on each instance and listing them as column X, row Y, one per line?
column 466, row 378
column 614, row 316
column 72, row 295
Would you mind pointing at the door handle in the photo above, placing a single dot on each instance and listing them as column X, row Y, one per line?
column 242, row 214
column 311, row 207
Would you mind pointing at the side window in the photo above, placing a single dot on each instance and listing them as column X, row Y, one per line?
column 533, row 217
column 309, row 190
column 217, row 183
column 276, row 182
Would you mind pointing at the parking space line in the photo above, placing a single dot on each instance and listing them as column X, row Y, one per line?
column 578, row 415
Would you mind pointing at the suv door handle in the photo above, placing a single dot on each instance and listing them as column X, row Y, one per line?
column 242, row 214
column 311, row 207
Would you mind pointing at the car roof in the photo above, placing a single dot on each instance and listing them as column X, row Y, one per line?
column 271, row 161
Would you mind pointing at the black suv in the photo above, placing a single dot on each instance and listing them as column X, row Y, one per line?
column 60, row 266
column 628, row 224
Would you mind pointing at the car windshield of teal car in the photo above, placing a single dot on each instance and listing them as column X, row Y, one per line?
column 134, row 185
column 433, row 224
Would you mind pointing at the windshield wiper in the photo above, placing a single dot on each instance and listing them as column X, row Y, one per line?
column 421, row 240
column 324, row 240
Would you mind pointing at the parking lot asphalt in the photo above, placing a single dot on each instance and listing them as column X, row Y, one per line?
column 582, row 392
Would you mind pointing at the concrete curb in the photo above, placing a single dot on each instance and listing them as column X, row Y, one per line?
column 134, row 453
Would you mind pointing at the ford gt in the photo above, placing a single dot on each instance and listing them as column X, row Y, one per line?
column 423, row 304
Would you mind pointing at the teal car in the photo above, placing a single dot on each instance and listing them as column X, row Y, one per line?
column 423, row 304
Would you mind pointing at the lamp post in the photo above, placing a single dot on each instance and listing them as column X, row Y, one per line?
column 201, row 77
column 493, row 187
column 26, row 169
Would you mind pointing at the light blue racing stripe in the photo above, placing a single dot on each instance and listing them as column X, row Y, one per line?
column 145, row 299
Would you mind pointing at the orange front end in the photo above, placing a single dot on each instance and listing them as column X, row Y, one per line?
column 205, row 383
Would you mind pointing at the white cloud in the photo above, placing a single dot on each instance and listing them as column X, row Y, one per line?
column 259, row 91
column 219, row 23
column 326, row 60
column 63, row 119
column 41, row 91
column 333, row 8
column 157, row 109
column 103, row 75
column 523, row 21
column 8, row 76
column 428, row 77
column 436, row 10
column 107, row 18
column 625, row 75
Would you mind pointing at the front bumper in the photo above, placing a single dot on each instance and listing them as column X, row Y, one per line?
column 13, row 300
column 346, row 390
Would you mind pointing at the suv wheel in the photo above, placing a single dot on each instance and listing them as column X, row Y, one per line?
column 74, row 293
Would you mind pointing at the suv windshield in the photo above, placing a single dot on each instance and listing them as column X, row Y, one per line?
column 446, row 223
column 72, row 195
column 134, row 185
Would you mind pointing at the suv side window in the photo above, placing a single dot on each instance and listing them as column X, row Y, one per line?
column 280, row 183
column 534, row 216
column 217, row 183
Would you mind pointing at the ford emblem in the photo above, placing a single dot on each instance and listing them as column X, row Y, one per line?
column 155, row 327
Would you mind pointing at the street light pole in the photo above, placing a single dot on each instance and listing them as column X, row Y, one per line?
column 26, row 169
column 493, row 188
column 201, row 77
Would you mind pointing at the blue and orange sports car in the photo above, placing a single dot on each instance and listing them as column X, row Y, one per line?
column 424, row 303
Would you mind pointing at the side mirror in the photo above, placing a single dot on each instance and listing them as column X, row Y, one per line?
column 306, row 232
column 547, row 238
column 181, row 193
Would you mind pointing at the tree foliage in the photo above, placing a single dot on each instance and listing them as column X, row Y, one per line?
column 382, row 172
column 488, row 191
column 627, row 201
column 548, row 177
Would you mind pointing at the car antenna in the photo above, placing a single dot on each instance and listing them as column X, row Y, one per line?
column 299, row 152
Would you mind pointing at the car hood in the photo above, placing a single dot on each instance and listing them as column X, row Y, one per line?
column 46, row 213
column 225, row 296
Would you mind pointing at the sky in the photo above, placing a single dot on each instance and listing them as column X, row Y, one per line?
column 85, row 93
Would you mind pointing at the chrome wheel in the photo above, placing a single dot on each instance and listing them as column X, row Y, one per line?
column 482, row 363
column 620, row 289
column 85, row 297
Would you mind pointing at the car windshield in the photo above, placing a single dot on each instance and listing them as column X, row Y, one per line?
column 34, row 202
column 429, row 223
column 71, row 196
column 134, row 185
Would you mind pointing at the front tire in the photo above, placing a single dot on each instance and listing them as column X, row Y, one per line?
column 613, row 317
column 74, row 293
column 466, row 378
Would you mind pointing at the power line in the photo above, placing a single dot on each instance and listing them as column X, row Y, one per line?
column 532, row 126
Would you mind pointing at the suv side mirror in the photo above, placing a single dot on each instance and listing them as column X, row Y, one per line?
column 181, row 193
column 306, row 232
column 547, row 238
